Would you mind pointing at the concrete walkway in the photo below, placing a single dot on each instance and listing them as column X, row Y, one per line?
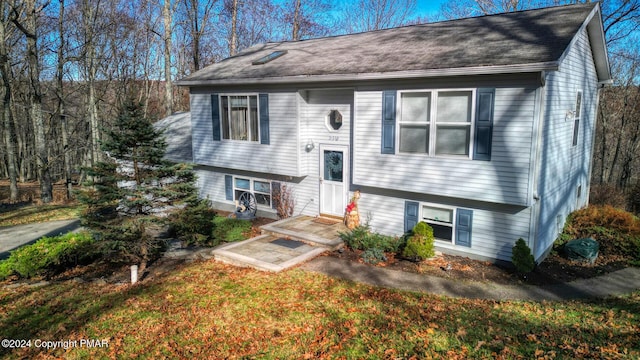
column 12, row 237
column 617, row 283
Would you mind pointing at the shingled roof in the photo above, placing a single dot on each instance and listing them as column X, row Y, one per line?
column 533, row 40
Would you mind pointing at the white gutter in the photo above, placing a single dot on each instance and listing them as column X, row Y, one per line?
column 406, row 74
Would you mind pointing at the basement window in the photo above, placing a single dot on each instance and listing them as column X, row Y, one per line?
column 265, row 59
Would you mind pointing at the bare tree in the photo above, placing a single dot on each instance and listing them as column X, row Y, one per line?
column 233, row 36
column 366, row 15
column 308, row 18
column 168, row 27
column 196, row 16
column 6, row 114
column 60, row 111
column 28, row 26
column 295, row 23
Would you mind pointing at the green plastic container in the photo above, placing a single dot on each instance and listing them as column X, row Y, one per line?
column 585, row 250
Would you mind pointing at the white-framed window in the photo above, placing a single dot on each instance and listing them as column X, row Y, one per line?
column 576, row 118
column 441, row 219
column 436, row 122
column 261, row 189
column 239, row 117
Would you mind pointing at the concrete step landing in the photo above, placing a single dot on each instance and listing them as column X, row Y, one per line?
column 267, row 253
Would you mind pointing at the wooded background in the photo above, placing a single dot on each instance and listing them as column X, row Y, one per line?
column 66, row 66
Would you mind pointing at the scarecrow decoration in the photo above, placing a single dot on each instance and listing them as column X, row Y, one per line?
column 351, row 215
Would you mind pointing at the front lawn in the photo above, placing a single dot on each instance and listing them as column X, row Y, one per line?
column 211, row 310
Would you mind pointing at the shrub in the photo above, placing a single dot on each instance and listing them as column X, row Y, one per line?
column 49, row 254
column 634, row 199
column 193, row 224
column 606, row 194
column 361, row 238
column 229, row 229
column 283, row 200
column 373, row 256
column 522, row 258
column 420, row 244
column 617, row 231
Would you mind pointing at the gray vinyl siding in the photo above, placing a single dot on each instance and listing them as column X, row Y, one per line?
column 493, row 236
column 504, row 179
column 211, row 186
column 280, row 157
column 315, row 105
column 563, row 166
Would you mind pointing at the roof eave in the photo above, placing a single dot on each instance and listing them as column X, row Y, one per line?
column 394, row 75
column 600, row 52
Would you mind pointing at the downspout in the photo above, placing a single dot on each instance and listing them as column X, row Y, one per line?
column 537, row 158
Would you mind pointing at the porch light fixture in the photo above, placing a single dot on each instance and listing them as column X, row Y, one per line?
column 310, row 146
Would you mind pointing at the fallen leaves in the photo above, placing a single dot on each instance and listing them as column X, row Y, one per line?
column 208, row 309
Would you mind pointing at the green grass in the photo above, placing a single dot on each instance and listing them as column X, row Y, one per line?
column 40, row 213
column 211, row 310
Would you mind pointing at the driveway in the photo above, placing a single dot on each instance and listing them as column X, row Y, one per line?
column 12, row 237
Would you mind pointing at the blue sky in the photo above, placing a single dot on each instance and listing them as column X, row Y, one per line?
column 429, row 8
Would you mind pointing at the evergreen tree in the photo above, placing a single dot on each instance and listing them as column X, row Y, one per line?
column 133, row 188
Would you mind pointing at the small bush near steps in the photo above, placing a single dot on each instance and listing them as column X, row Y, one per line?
column 372, row 244
column 361, row 238
column 522, row 258
column 420, row 244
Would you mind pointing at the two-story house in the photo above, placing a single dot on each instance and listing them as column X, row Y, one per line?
column 482, row 127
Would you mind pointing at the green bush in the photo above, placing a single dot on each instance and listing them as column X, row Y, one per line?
column 229, row 229
column 522, row 258
column 420, row 245
column 193, row 224
column 373, row 256
column 49, row 254
column 361, row 238
column 617, row 231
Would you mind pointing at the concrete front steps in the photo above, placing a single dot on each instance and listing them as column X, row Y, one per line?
column 284, row 244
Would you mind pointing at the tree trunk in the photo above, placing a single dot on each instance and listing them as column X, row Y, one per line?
column 195, row 34
column 296, row 22
column 7, row 118
column 35, row 100
column 168, row 97
column 233, row 40
column 90, row 68
column 61, row 108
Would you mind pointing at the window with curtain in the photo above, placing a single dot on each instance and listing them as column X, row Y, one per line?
column 240, row 117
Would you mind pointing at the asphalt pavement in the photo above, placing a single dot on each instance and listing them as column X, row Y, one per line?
column 12, row 237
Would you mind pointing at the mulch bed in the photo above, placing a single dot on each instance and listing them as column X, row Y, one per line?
column 553, row 270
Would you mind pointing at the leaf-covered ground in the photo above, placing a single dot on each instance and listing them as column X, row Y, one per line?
column 211, row 310
column 30, row 213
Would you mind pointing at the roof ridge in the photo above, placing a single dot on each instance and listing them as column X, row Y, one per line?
column 510, row 13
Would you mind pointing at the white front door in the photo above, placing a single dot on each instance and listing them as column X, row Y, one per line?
column 334, row 179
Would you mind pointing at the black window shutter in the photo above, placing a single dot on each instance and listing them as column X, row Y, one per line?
column 264, row 118
column 464, row 219
column 215, row 116
column 228, row 187
column 388, row 122
column 411, row 210
column 484, row 124
column 275, row 192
